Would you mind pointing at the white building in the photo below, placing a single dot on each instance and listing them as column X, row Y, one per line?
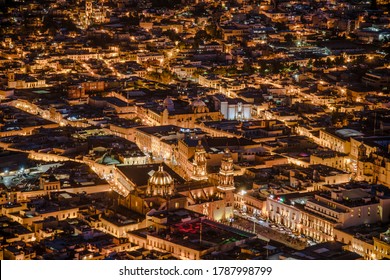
column 232, row 108
column 318, row 216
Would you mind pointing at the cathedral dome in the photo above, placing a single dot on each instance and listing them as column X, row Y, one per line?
column 198, row 106
column 168, row 103
column 160, row 178
column 198, row 103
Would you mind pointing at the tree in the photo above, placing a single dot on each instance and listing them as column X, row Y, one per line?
column 198, row 72
column 131, row 20
column 200, row 36
column 181, row 45
column 220, row 71
column 329, row 62
column 248, row 68
column 280, row 26
column 165, row 3
column 309, row 63
column 52, row 24
column 294, row 67
column 340, row 60
column 374, row 4
column 212, row 30
column 199, row 10
column 289, row 38
column 361, row 59
column 164, row 77
column 172, row 35
column 318, row 63
column 232, row 70
column 338, row 118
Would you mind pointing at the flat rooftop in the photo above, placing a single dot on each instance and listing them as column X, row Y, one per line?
column 366, row 232
column 140, row 174
column 202, row 235
column 325, row 251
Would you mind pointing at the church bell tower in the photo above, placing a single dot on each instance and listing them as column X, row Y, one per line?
column 226, row 172
column 200, row 163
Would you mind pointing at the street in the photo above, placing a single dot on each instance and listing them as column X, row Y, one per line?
column 263, row 229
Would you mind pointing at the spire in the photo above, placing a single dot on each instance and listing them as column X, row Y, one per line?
column 226, row 172
column 199, row 163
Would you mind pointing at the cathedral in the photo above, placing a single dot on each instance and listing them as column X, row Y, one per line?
column 158, row 187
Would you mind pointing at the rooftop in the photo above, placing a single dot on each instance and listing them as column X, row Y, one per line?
column 331, row 250
column 204, row 234
column 140, row 174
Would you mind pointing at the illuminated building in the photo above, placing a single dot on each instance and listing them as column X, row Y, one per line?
column 24, row 81
column 372, row 242
column 149, row 187
column 226, row 182
column 372, row 164
column 184, row 115
column 187, row 235
column 233, row 109
column 199, row 163
column 88, row 8
column 318, row 216
column 160, row 183
column 226, row 172
column 338, row 140
column 94, row 12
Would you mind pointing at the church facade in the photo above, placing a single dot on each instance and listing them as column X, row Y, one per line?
column 158, row 187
